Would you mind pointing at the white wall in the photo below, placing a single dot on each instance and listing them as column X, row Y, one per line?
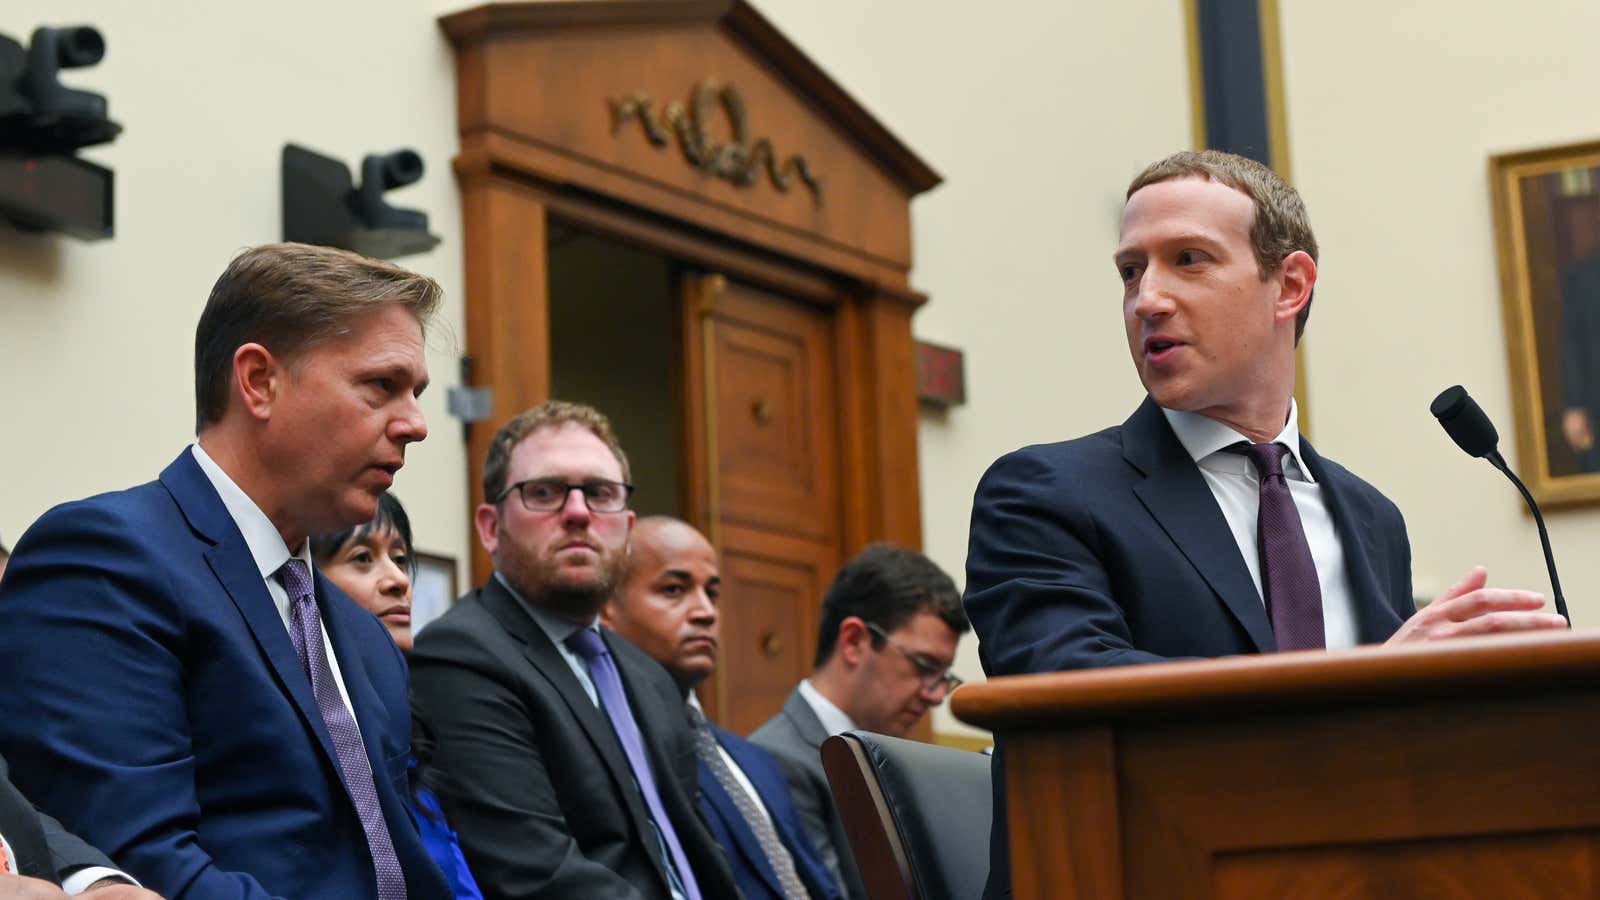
column 1038, row 114
column 1394, row 110
column 96, row 339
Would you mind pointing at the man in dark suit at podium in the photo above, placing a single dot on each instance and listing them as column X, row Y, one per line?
column 1204, row 525
column 667, row 606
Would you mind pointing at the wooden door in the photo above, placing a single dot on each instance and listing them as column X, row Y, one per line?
column 762, row 478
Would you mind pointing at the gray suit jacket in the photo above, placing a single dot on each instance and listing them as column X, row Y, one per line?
column 794, row 738
column 43, row 848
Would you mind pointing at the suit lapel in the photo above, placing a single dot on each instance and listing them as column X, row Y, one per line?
column 547, row 661
column 1176, row 495
column 1353, row 520
column 230, row 561
column 748, row 844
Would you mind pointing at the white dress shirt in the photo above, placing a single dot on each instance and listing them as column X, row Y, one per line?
column 1237, row 488
column 834, row 720
column 270, row 553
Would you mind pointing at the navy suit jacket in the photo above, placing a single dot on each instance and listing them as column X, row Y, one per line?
column 752, row 872
column 153, row 701
column 1111, row 549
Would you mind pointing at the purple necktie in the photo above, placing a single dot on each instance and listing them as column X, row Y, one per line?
column 305, row 628
column 1288, row 573
column 586, row 643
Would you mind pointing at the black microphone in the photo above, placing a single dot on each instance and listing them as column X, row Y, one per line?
column 1467, row 424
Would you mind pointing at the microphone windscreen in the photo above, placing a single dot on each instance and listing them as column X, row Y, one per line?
column 1464, row 420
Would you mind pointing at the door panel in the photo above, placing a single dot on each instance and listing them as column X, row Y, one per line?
column 763, row 482
column 771, row 589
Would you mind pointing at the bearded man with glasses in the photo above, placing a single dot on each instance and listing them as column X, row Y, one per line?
column 564, row 757
column 888, row 633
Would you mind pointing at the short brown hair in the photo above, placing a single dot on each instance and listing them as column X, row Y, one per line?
column 1280, row 226
column 289, row 298
column 549, row 414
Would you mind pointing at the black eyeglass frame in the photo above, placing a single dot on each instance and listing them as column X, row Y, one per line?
column 566, row 493
column 932, row 673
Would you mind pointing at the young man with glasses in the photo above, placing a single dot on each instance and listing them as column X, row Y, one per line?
column 565, row 760
column 890, row 622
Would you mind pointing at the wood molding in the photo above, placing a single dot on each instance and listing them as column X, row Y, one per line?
column 1302, row 681
column 743, row 22
column 507, row 314
column 975, row 743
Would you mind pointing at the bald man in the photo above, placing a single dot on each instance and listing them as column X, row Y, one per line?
column 667, row 606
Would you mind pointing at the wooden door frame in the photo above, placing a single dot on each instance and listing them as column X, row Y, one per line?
column 506, row 218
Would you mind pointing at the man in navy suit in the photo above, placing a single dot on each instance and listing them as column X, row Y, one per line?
column 667, row 606
column 1144, row 542
column 181, row 687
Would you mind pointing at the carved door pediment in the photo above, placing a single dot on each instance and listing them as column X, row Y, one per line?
column 700, row 111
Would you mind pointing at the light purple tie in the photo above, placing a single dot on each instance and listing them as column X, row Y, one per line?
column 586, row 643
column 305, row 628
column 1288, row 573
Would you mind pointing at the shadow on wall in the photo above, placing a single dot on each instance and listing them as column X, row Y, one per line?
column 34, row 259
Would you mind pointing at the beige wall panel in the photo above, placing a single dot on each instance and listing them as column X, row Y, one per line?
column 1393, row 112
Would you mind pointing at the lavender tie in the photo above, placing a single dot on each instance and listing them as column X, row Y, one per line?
column 1288, row 573
column 305, row 628
column 586, row 643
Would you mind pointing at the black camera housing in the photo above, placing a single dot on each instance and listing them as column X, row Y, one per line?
column 322, row 205
column 43, row 123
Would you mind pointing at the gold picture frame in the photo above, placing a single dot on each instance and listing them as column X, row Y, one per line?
column 1547, row 233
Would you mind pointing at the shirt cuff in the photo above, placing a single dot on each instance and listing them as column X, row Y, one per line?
column 79, row 881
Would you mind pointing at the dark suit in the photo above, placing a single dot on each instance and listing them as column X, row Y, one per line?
column 530, row 771
column 41, row 847
column 752, row 871
column 1111, row 549
column 154, row 701
column 794, row 738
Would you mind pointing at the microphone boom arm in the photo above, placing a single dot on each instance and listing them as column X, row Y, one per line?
column 1496, row 460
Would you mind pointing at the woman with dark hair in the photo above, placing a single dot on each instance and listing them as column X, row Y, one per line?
column 373, row 563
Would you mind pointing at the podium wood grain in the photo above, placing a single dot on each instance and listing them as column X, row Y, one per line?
column 1466, row 769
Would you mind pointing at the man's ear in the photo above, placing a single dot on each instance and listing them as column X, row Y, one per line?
column 257, row 380
column 486, row 520
column 854, row 641
column 1297, row 276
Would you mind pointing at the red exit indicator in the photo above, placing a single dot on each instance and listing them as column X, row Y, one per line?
column 941, row 375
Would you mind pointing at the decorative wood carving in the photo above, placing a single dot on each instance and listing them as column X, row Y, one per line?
column 737, row 161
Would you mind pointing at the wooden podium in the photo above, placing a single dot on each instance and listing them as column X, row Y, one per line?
column 1452, row 770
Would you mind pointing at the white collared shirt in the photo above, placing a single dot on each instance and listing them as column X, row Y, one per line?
column 270, row 553
column 834, row 720
column 1237, row 489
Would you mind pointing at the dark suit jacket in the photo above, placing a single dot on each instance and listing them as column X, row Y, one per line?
column 1111, row 549
column 153, row 700
column 532, row 775
column 42, row 848
column 752, row 871
column 794, row 738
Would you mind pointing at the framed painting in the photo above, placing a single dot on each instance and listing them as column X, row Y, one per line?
column 433, row 589
column 1547, row 227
